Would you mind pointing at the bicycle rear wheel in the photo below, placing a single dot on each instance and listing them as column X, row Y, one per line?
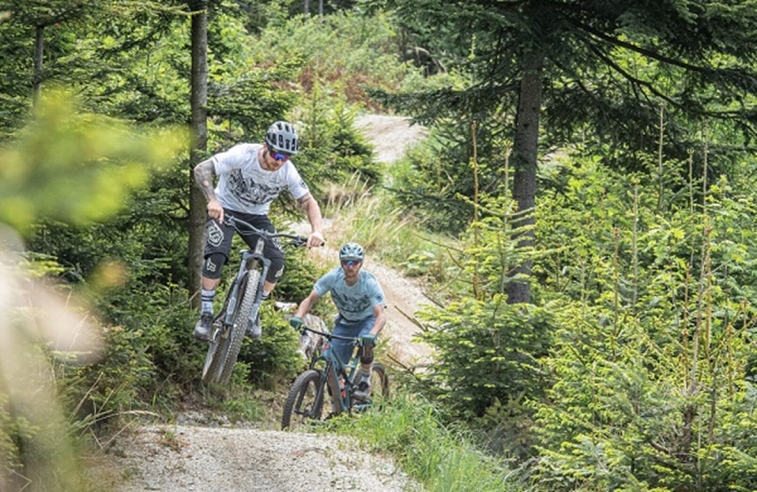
column 379, row 382
column 379, row 389
column 232, row 343
column 304, row 402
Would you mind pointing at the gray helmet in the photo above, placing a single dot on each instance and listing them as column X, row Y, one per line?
column 351, row 251
column 282, row 137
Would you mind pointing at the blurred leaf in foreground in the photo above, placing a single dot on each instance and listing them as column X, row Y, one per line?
column 36, row 452
column 78, row 167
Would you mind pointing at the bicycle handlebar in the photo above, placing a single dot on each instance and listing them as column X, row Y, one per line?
column 249, row 230
column 303, row 329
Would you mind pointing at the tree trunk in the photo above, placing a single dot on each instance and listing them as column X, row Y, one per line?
column 320, row 7
column 39, row 51
column 525, row 150
column 199, row 99
column 307, row 6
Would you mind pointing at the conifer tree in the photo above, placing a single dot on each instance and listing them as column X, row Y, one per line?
column 602, row 66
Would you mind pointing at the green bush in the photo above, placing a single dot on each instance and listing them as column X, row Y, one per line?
column 486, row 352
column 439, row 456
column 272, row 359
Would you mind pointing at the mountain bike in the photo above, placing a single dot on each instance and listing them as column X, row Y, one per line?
column 328, row 377
column 241, row 304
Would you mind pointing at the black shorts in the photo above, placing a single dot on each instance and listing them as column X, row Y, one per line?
column 218, row 239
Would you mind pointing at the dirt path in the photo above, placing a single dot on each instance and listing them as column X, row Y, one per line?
column 391, row 136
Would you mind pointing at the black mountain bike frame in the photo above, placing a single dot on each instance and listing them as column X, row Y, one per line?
column 242, row 302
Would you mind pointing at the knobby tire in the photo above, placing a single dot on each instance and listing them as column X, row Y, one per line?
column 213, row 360
column 233, row 342
column 380, row 382
column 301, row 404
column 213, row 357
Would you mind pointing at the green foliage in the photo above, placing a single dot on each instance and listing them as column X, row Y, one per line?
column 438, row 181
column 150, row 358
column 76, row 167
column 486, row 351
column 272, row 358
column 366, row 56
column 245, row 406
column 651, row 356
column 10, row 429
column 334, row 151
column 299, row 276
column 625, row 413
column 101, row 392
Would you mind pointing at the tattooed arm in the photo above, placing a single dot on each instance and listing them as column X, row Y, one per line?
column 204, row 173
column 313, row 211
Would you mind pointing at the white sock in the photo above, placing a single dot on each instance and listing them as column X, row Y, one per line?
column 207, row 297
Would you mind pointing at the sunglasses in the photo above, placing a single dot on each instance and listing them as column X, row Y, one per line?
column 278, row 156
column 350, row 263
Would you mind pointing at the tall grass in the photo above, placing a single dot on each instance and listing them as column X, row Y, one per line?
column 440, row 458
column 388, row 232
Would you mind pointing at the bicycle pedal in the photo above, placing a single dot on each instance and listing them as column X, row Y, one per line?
column 253, row 330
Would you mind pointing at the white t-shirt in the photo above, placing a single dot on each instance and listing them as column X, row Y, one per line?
column 355, row 302
column 246, row 187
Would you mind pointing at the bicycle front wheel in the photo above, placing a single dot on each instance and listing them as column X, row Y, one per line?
column 305, row 400
column 213, row 362
column 232, row 343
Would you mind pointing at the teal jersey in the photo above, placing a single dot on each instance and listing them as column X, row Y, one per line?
column 356, row 302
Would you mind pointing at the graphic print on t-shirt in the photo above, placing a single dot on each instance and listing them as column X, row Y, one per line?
column 251, row 193
column 351, row 306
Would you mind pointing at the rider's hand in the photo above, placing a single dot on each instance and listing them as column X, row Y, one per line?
column 315, row 239
column 215, row 210
column 295, row 322
column 368, row 340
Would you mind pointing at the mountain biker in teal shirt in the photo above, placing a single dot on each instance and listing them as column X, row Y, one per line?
column 360, row 301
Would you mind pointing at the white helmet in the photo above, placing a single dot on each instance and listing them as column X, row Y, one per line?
column 282, row 137
column 351, row 251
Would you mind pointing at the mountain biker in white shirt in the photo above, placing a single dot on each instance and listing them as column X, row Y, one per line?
column 250, row 177
column 360, row 301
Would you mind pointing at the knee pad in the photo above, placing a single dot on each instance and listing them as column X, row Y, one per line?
column 213, row 264
column 275, row 270
column 367, row 356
